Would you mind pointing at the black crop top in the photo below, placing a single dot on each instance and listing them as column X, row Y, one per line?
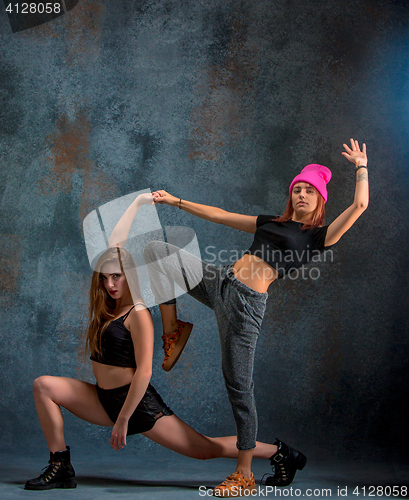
column 284, row 245
column 117, row 348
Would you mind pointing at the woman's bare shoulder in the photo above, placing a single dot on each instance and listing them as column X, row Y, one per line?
column 139, row 316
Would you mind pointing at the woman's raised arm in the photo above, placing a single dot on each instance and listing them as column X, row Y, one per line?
column 121, row 230
column 241, row 222
column 344, row 221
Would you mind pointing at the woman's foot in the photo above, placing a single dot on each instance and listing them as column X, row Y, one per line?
column 235, row 485
column 59, row 474
column 174, row 343
column 286, row 461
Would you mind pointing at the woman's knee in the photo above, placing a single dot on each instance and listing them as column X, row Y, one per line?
column 155, row 250
column 43, row 385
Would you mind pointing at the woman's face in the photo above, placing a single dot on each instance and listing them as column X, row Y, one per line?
column 304, row 198
column 114, row 280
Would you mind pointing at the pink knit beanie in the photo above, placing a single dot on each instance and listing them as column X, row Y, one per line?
column 316, row 175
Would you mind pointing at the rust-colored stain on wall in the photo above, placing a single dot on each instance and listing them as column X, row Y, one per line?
column 68, row 146
column 10, row 270
column 81, row 27
column 218, row 119
column 68, row 153
column 84, row 32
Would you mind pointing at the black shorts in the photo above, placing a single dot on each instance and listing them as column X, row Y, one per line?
column 150, row 408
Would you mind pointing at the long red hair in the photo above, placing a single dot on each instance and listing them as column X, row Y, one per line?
column 101, row 304
column 318, row 216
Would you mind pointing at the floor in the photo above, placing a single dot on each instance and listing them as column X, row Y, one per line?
column 164, row 475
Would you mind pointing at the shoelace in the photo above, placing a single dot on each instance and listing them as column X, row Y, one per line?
column 234, row 479
column 283, row 472
column 50, row 471
column 276, row 474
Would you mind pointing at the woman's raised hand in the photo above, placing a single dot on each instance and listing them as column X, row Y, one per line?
column 354, row 154
column 162, row 196
column 145, row 199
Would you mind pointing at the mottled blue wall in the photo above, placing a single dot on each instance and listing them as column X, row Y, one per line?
column 220, row 102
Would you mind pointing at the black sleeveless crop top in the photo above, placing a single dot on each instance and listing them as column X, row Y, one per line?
column 117, row 348
column 284, row 245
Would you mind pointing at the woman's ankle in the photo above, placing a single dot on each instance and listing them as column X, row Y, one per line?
column 169, row 318
column 170, row 327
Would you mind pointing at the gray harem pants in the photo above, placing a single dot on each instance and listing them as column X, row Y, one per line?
column 239, row 313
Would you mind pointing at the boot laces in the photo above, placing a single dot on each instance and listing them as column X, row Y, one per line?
column 279, row 472
column 50, row 470
column 282, row 472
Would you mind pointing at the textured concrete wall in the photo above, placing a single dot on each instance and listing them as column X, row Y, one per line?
column 220, row 102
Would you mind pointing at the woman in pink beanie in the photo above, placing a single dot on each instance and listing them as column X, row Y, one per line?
column 238, row 292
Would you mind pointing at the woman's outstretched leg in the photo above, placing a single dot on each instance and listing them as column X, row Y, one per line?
column 168, row 266
column 176, row 435
column 81, row 399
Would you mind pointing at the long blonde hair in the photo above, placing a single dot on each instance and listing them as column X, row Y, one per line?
column 101, row 304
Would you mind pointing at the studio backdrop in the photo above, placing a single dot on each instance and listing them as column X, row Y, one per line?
column 219, row 102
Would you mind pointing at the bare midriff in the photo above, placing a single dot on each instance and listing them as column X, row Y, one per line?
column 254, row 272
column 110, row 377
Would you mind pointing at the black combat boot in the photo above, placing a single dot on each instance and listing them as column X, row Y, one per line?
column 286, row 461
column 59, row 474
